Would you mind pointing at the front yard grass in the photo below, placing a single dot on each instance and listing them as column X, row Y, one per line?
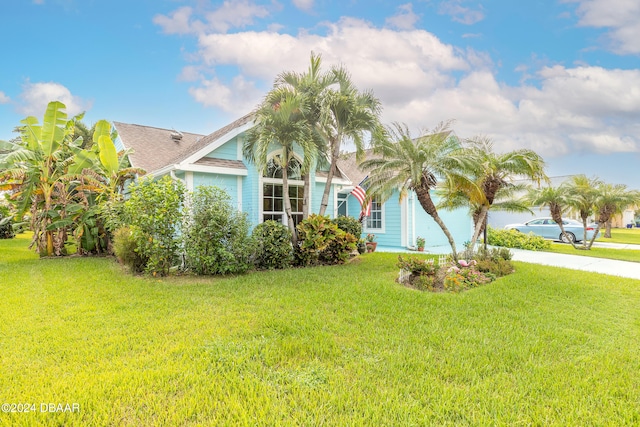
column 341, row 345
column 622, row 235
column 609, row 253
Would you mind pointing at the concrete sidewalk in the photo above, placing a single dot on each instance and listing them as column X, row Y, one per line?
column 578, row 262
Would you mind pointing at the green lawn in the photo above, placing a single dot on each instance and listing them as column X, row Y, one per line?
column 329, row 346
column 619, row 254
column 622, row 235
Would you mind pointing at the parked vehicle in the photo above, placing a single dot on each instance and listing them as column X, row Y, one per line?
column 549, row 229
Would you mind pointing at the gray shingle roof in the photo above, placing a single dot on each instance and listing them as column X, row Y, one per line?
column 154, row 148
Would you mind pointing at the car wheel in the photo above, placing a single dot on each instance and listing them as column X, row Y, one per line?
column 570, row 237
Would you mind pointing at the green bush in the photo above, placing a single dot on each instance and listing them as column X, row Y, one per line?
column 124, row 247
column 154, row 212
column 418, row 265
column 320, row 241
column 516, row 239
column 273, row 246
column 460, row 279
column 6, row 223
column 217, row 237
column 496, row 261
column 349, row 224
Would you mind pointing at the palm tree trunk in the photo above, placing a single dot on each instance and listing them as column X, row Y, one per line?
column 287, row 207
column 327, row 187
column 305, row 196
column 557, row 217
column 424, row 197
column 593, row 238
column 607, row 230
column 480, row 222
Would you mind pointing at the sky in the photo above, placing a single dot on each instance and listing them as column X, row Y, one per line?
column 561, row 77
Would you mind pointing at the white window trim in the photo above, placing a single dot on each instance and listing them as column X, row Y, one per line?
column 383, row 218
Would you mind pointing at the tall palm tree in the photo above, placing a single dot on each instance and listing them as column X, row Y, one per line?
column 555, row 198
column 311, row 85
column 403, row 163
column 280, row 125
column 346, row 115
column 610, row 200
column 493, row 172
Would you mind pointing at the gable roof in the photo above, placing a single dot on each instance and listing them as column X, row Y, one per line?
column 155, row 148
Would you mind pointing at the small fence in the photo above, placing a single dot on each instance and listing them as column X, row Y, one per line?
column 404, row 275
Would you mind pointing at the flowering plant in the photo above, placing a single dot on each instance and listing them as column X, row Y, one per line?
column 420, row 241
column 371, row 237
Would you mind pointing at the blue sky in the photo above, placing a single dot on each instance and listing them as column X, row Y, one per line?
column 558, row 76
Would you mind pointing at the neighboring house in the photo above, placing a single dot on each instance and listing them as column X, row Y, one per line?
column 217, row 159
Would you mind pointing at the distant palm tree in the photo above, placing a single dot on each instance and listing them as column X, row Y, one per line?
column 404, row 163
column 581, row 195
column 555, row 198
column 610, row 200
column 280, row 125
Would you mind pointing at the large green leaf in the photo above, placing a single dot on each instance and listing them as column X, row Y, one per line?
column 53, row 127
column 108, row 154
column 103, row 128
column 31, row 132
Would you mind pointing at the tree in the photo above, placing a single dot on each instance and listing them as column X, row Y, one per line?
column 555, row 198
column 581, row 194
column 403, row 163
column 36, row 168
column 346, row 115
column 493, row 173
column 280, row 125
column 610, row 200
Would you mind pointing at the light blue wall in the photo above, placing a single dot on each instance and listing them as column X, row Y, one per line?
column 227, row 151
column 228, row 183
column 316, row 198
column 250, row 194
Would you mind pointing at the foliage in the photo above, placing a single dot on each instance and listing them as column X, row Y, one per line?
column 217, row 237
column 420, row 242
column 154, row 212
column 402, row 163
column 418, row 265
column 460, row 279
column 371, row 237
column 6, row 223
column 125, row 249
column 273, row 246
column 516, row 239
column 349, row 224
column 332, row 346
column 322, row 242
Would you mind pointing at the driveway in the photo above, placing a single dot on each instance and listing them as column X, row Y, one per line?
column 584, row 263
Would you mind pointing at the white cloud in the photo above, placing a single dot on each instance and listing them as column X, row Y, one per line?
column 231, row 14
column 405, row 19
column 4, row 99
column 305, row 5
column 35, row 97
column 460, row 13
column 621, row 17
column 421, row 81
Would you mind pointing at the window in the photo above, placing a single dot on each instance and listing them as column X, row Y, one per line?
column 342, row 204
column 374, row 221
column 273, row 202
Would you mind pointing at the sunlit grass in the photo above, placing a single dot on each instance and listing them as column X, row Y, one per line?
column 622, row 235
column 339, row 345
column 609, row 253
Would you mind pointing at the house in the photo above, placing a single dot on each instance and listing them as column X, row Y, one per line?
column 217, row 159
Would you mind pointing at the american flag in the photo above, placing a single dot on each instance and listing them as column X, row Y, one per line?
column 360, row 194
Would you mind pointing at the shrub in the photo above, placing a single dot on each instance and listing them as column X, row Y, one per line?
column 6, row 223
column 322, row 242
column 461, row 279
column 273, row 246
column 154, row 212
column 418, row 266
column 217, row 236
column 124, row 247
column 349, row 224
column 516, row 239
column 496, row 261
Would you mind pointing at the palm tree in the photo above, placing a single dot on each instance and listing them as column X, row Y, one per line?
column 280, row 124
column 555, row 198
column 610, row 200
column 493, row 173
column 311, row 85
column 581, row 195
column 416, row 164
column 346, row 115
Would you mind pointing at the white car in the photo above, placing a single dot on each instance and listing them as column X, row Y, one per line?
column 549, row 229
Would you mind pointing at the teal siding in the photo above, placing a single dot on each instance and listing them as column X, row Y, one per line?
column 250, row 194
column 227, row 151
column 316, row 198
column 229, row 183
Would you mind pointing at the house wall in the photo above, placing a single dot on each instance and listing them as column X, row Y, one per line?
column 228, row 183
column 227, row 151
